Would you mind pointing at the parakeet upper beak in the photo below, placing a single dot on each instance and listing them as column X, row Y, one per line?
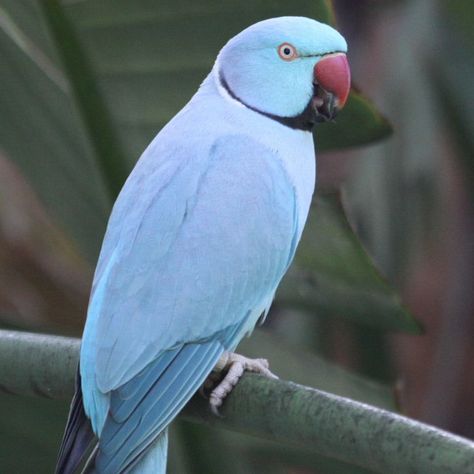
column 332, row 83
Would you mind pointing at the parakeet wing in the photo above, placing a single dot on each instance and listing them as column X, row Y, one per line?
column 142, row 408
column 193, row 251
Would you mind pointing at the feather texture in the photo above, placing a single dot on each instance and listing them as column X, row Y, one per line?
column 200, row 236
column 78, row 437
column 195, row 259
column 134, row 423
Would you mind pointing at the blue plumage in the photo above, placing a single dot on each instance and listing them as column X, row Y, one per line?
column 198, row 240
column 165, row 386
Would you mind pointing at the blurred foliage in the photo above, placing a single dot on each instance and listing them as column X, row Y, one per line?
column 31, row 430
column 308, row 369
column 333, row 275
column 85, row 86
column 460, row 13
column 371, row 126
column 411, row 197
column 40, row 275
column 43, row 134
column 450, row 80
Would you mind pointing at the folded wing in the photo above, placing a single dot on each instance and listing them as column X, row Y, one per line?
column 194, row 251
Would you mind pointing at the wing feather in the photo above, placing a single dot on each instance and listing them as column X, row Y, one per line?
column 134, row 424
column 189, row 263
column 215, row 254
column 78, row 436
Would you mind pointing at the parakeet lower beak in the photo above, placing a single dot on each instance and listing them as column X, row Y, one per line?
column 332, row 83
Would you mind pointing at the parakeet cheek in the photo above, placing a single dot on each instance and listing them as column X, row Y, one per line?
column 271, row 85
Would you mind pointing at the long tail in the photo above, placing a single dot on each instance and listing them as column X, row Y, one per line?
column 155, row 458
column 78, row 436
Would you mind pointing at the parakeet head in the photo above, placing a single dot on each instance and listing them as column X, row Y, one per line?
column 293, row 69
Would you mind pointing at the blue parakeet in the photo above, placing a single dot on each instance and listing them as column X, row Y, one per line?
column 199, row 238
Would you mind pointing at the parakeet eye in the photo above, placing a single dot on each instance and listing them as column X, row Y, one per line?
column 287, row 52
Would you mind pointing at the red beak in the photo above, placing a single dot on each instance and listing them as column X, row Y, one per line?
column 332, row 73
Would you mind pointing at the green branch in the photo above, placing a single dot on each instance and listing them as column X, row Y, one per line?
column 40, row 365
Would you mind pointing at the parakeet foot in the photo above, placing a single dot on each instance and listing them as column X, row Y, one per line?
column 235, row 365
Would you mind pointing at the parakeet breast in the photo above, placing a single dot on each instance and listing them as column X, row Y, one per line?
column 294, row 147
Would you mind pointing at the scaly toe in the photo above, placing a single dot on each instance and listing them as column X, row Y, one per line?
column 214, row 404
column 236, row 365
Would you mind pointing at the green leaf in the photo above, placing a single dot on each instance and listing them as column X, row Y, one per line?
column 461, row 14
column 453, row 91
column 143, row 60
column 48, row 282
column 333, row 275
column 307, row 369
column 358, row 123
column 41, row 131
column 90, row 103
column 150, row 59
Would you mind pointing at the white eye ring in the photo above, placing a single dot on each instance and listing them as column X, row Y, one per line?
column 287, row 52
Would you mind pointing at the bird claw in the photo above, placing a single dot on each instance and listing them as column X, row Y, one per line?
column 235, row 365
column 211, row 381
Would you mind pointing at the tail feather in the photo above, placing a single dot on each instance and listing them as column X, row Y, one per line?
column 154, row 459
column 78, row 436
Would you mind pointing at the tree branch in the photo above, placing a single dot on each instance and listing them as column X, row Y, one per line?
column 41, row 365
